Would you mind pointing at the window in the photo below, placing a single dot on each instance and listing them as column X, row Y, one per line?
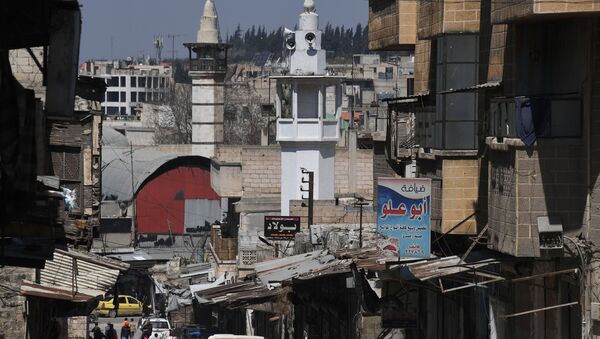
column 112, row 110
column 154, row 82
column 142, row 97
column 122, row 300
column 123, row 110
column 134, row 96
column 133, row 300
column 114, row 82
column 308, row 102
column 112, row 96
column 142, row 81
column 162, row 82
column 123, row 98
column 123, row 81
column 133, row 82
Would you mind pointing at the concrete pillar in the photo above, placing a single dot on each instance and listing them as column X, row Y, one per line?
column 352, row 145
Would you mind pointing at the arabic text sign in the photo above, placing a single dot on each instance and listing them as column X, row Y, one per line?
column 403, row 212
column 281, row 227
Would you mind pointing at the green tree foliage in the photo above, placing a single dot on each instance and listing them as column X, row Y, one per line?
column 340, row 42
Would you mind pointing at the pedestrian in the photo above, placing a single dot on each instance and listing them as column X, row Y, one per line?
column 124, row 323
column 132, row 328
column 125, row 331
column 97, row 332
column 110, row 332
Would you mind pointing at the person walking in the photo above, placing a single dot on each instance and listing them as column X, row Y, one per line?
column 125, row 331
column 110, row 332
column 97, row 332
column 132, row 328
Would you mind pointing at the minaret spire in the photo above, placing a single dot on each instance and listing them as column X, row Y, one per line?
column 309, row 6
column 209, row 24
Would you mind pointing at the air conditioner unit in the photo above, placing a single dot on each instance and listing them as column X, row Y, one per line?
column 550, row 231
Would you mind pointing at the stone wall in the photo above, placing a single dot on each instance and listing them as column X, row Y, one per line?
column 460, row 194
column 12, row 304
column 77, row 327
column 26, row 71
column 594, row 233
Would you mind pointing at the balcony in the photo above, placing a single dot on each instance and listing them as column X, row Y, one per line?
column 208, row 65
column 392, row 24
column 506, row 11
column 528, row 184
column 307, row 130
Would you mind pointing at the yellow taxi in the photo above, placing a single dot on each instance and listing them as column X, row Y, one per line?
column 128, row 305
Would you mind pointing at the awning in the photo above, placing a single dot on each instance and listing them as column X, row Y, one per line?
column 487, row 85
column 414, row 96
column 75, row 276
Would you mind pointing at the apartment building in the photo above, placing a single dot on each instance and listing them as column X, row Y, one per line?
column 507, row 101
column 129, row 85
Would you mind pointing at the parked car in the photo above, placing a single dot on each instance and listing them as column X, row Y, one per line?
column 161, row 328
column 195, row 332
column 128, row 305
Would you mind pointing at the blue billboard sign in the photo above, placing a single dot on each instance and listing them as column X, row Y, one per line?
column 403, row 213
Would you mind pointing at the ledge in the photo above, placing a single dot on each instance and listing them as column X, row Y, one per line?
column 434, row 153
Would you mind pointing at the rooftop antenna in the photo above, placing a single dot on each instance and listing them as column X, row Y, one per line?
column 158, row 44
column 173, row 37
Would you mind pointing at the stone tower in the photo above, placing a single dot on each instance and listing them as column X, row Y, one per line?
column 308, row 105
column 208, row 65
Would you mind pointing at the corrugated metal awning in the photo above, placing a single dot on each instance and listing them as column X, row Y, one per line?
column 486, row 85
column 80, row 275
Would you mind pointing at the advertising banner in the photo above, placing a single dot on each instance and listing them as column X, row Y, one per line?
column 281, row 227
column 403, row 213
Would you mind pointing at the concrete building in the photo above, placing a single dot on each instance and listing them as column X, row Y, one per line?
column 129, row 85
column 504, row 127
column 208, row 66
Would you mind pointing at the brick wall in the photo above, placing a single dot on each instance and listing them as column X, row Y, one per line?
column 422, row 65
column 455, row 191
column 229, row 153
column 527, row 184
column 392, row 24
column 430, row 15
column 77, row 328
column 460, row 193
column 26, row 71
column 363, row 172
column 327, row 212
column 435, row 18
column 505, row 11
column 261, row 170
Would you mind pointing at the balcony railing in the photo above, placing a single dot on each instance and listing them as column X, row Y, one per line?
column 208, row 65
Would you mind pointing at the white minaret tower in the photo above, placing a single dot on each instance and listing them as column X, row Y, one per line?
column 208, row 65
column 309, row 105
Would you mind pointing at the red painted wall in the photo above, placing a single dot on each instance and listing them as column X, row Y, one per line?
column 162, row 200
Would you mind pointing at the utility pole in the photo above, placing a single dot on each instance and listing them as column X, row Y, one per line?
column 310, row 190
column 361, row 202
column 133, row 223
column 173, row 36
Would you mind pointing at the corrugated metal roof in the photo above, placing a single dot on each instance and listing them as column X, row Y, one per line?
column 491, row 84
column 81, row 275
column 298, row 266
column 441, row 267
column 116, row 173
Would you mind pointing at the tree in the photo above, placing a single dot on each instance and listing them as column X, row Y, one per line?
column 173, row 118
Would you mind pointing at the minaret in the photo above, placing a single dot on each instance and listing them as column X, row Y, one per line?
column 308, row 108
column 208, row 65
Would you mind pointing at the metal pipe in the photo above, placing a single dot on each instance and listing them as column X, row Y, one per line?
column 539, row 310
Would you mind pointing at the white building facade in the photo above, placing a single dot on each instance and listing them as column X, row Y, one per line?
column 130, row 85
column 308, row 124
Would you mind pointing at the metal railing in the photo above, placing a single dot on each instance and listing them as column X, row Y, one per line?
column 208, row 65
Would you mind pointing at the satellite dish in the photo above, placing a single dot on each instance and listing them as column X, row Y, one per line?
column 290, row 41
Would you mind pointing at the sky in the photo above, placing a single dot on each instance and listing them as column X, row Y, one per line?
column 132, row 24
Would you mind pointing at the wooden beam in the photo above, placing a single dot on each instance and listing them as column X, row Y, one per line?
column 539, row 310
